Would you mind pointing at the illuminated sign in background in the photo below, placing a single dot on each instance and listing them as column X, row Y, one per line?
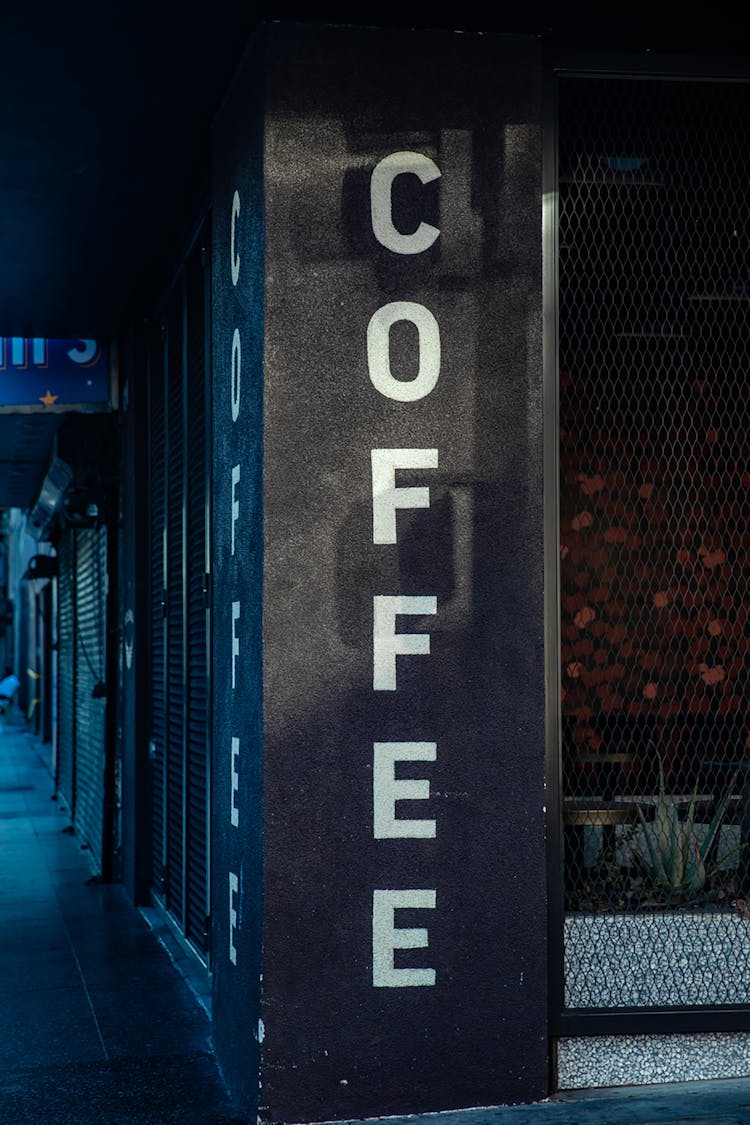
column 50, row 374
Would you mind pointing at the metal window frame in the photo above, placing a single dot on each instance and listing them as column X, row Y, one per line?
column 593, row 1021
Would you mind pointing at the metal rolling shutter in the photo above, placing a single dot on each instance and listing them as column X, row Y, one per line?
column 157, row 450
column 90, row 659
column 178, row 457
column 196, row 858
column 66, row 664
column 175, row 657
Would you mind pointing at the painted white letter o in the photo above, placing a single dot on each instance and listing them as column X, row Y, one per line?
column 378, row 351
column 236, row 374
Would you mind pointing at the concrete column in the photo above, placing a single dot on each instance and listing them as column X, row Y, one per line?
column 378, row 660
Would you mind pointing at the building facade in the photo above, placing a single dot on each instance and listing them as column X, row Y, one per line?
column 403, row 560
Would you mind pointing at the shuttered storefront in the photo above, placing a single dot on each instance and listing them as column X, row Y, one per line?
column 178, row 611
column 82, row 674
column 66, row 663
column 196, row 622
column 157, row 494
column 91, row 704
column 175, row 622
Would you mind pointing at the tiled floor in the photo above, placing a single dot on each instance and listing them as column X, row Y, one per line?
column 96, row 1025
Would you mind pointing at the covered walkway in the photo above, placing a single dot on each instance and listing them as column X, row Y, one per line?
column 97, row 1023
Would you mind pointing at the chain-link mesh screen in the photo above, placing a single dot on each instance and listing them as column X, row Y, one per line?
column 654, row 183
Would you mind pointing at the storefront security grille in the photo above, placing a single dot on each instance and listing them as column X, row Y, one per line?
column 197, row 787
column 82, row 674
column 179, row 747
column 66, row 669
column 654, row 350
column 157, row 506
column 175, row 616
column 91, row 675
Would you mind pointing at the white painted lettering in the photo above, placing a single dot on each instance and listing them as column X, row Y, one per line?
column 234, row 886
column 235, row 502
column 387, row 789
column 386, row 497
column 381, row 201
column 387, row 643
column 236, row 374
column 234, row 782
column 235, row 640
column 386, row 938
column 379, row 351
column 233, row 254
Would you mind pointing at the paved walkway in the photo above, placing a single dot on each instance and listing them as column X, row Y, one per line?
column 725, row 1102
column 96, row 1025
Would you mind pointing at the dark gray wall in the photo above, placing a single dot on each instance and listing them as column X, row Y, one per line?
column 343, row 1025
column 339, row 1042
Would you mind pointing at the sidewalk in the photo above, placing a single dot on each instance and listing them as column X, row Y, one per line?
column 96, row 1025
column 725, row 1102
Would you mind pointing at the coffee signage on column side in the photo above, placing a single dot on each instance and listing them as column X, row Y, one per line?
column 388, row 644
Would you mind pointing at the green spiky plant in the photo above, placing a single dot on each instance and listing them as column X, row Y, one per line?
column 677, row 858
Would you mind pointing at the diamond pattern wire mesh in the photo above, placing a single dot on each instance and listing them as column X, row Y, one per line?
column 654, row 188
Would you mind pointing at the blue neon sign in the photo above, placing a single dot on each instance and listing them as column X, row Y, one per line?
column 53, row 374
